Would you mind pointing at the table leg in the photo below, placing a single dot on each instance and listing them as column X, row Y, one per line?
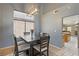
column 30, row 51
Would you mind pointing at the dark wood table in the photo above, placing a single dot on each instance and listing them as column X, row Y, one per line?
column 31, row 41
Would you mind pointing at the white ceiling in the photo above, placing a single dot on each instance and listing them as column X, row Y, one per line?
column 71, row 20
column 50, row 6
column 18, row 6
column 45, row 7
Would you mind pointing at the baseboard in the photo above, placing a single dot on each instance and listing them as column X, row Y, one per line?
column 6, row 50
column 55, row 46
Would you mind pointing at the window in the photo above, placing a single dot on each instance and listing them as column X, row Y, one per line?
column 29, row 26
column 21, row 26
column 24, row 16
column 18, row 27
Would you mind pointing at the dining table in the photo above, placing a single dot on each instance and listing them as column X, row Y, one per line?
column 31, row 41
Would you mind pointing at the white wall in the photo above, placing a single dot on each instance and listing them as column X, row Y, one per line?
column 6, row 26
column 52, row 24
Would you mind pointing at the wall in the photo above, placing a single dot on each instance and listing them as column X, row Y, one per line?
column 6, row 25
column 37, row 19
column 0, row 25
column 37, row 24
column 78, row 35
column 52, row 23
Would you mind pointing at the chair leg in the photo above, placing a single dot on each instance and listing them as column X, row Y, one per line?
column 33, row 51
column 47, row 52
column 26, row 52
column 40, row 53
column 16, row 54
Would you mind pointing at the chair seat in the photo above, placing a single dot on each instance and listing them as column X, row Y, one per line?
column 18, row 39
column 37, row 47
column 21, row 43
column 23, row 47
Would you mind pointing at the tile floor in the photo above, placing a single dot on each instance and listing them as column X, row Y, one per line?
column 69, row 49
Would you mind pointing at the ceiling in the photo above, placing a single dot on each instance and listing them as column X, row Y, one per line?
column 30, row 6
column 44, row 7
column 50, row 6
column 71, row 20
column 18, row 6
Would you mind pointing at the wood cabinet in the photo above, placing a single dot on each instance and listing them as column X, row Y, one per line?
column 66, row 36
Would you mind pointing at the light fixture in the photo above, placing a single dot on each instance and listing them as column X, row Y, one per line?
column 55, row 11
column 33, row 12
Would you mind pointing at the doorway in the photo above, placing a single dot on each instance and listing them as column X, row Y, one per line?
column 70, row 34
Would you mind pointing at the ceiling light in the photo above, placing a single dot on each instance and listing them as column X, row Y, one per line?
column 55, row 11
column 33, row 12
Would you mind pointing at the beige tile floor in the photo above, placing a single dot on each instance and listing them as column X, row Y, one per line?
column 69, row 49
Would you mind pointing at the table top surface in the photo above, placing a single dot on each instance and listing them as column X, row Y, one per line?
column 29, row 39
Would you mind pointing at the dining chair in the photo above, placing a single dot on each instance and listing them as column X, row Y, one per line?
column 43, row 46
column 20, row 46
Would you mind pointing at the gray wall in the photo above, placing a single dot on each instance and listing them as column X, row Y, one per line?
column 6, row 26
column 37, row 24
column 78, row 35
column 0, row 25
column 52, row 23
column 37, row 18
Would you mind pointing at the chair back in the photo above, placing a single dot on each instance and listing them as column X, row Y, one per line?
column 44, row 42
